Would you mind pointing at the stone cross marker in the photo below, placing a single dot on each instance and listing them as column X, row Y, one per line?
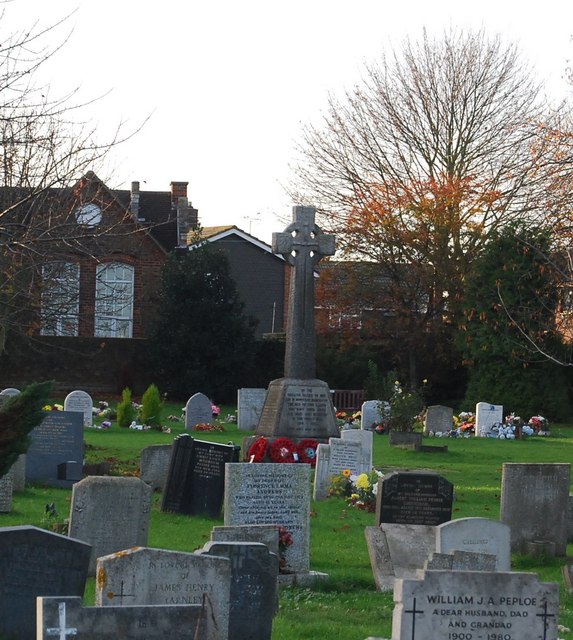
column 302, row 244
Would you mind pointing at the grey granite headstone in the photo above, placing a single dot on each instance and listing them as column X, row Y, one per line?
column 154, row 465
column 198, row 410
column 111, row 514
column 480, row 535
column 439, row 419
column 267, row 534
column 444, row 605
column 570, row 519
column 58, row 440
column 253, row 588
column 249, row 407
column 486, row 416
column 371, row 414
column 414, row 497
column 144, row 576
column 398, row 551
column 19, row 473
column 461, row 561
column 272, row 493
column 35, row 562
column 82, row 402
column 65, row 617
column 332, row 459
column 535, row 503
column 6, row 487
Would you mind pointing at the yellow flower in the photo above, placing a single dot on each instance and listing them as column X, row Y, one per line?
column 346, row 473
column 362, row 481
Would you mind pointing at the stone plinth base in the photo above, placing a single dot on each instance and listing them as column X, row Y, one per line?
column 298, row 409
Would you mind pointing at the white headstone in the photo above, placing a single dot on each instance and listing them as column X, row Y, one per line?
column 478, row 535
column 198, row 410
column 456, row 605
column 333, row 458
column 365, row 438
column 250, row 403
column 371, row 414
column 486, row 416
column 81, row 402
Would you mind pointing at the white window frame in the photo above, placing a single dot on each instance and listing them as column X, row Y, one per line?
column 114, row 300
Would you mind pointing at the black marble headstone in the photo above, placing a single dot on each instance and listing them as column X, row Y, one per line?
column 35, row 562
column 409, row 497
column 196, row 476
column 58, row 439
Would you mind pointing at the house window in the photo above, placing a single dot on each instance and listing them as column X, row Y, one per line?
column 114, row 301
column 60, row 299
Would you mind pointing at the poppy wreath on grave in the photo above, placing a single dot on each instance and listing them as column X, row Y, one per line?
column 258, row 450
column 283, row 450
column 307, row 451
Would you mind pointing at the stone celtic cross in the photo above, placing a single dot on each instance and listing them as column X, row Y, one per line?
column 302, row 244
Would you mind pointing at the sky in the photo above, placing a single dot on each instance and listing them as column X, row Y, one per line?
column 223, row 87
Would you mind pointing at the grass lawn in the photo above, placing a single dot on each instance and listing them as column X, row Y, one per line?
column 347, row 605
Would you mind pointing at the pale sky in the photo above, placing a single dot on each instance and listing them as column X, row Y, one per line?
column 228, row 83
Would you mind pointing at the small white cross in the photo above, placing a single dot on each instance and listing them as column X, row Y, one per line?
column 62, row 631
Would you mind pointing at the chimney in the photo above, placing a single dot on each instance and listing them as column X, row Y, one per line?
column 187, row 217
column 134, row 202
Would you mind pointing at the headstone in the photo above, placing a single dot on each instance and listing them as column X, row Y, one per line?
column 479, row 535
column 198, row 410
column 144, row 576
column 299, row 405
column 19, row 473
column 8, row 393
column 398, row 551
column 272, row 493
column 154, row 465
column 439, row 419
column 332, row 459
column 412, row 497
column 461, row 561
column 371, row 414
column 35, row 562
column 567, row 571
column 196, row 476
column 6, row 488
column 66, row 617
column 486, row 416
column 57, row 439
column 81, row 402
column 267, row 534
column 249, row 407
column 535, row 502
column 365, row 438
column 111, row 514
column 570, row 519
column 456, row 605
column 253, row 588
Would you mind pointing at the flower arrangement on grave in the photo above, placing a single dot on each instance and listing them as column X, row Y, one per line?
column 285, row 541
column 464, row 423
column 203, row 426
column 53, row 407
column 283, row 450
column 307, row 451
column 258, row 450
column 358, row 491
column 539, row 424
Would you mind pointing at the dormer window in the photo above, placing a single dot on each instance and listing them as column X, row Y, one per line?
column 88, row 215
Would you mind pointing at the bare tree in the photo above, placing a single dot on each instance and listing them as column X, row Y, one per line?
column 441, row 144
column 45, row 149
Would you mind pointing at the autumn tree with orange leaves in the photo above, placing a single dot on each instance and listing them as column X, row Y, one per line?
column 443, row 144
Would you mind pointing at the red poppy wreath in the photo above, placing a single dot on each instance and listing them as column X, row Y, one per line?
column 307, row 451
column 258, row 450
column 283, row 450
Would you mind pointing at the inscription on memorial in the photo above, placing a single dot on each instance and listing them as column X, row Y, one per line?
column 414, row 498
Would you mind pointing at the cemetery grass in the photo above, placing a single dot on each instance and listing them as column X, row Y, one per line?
column 347, row 605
